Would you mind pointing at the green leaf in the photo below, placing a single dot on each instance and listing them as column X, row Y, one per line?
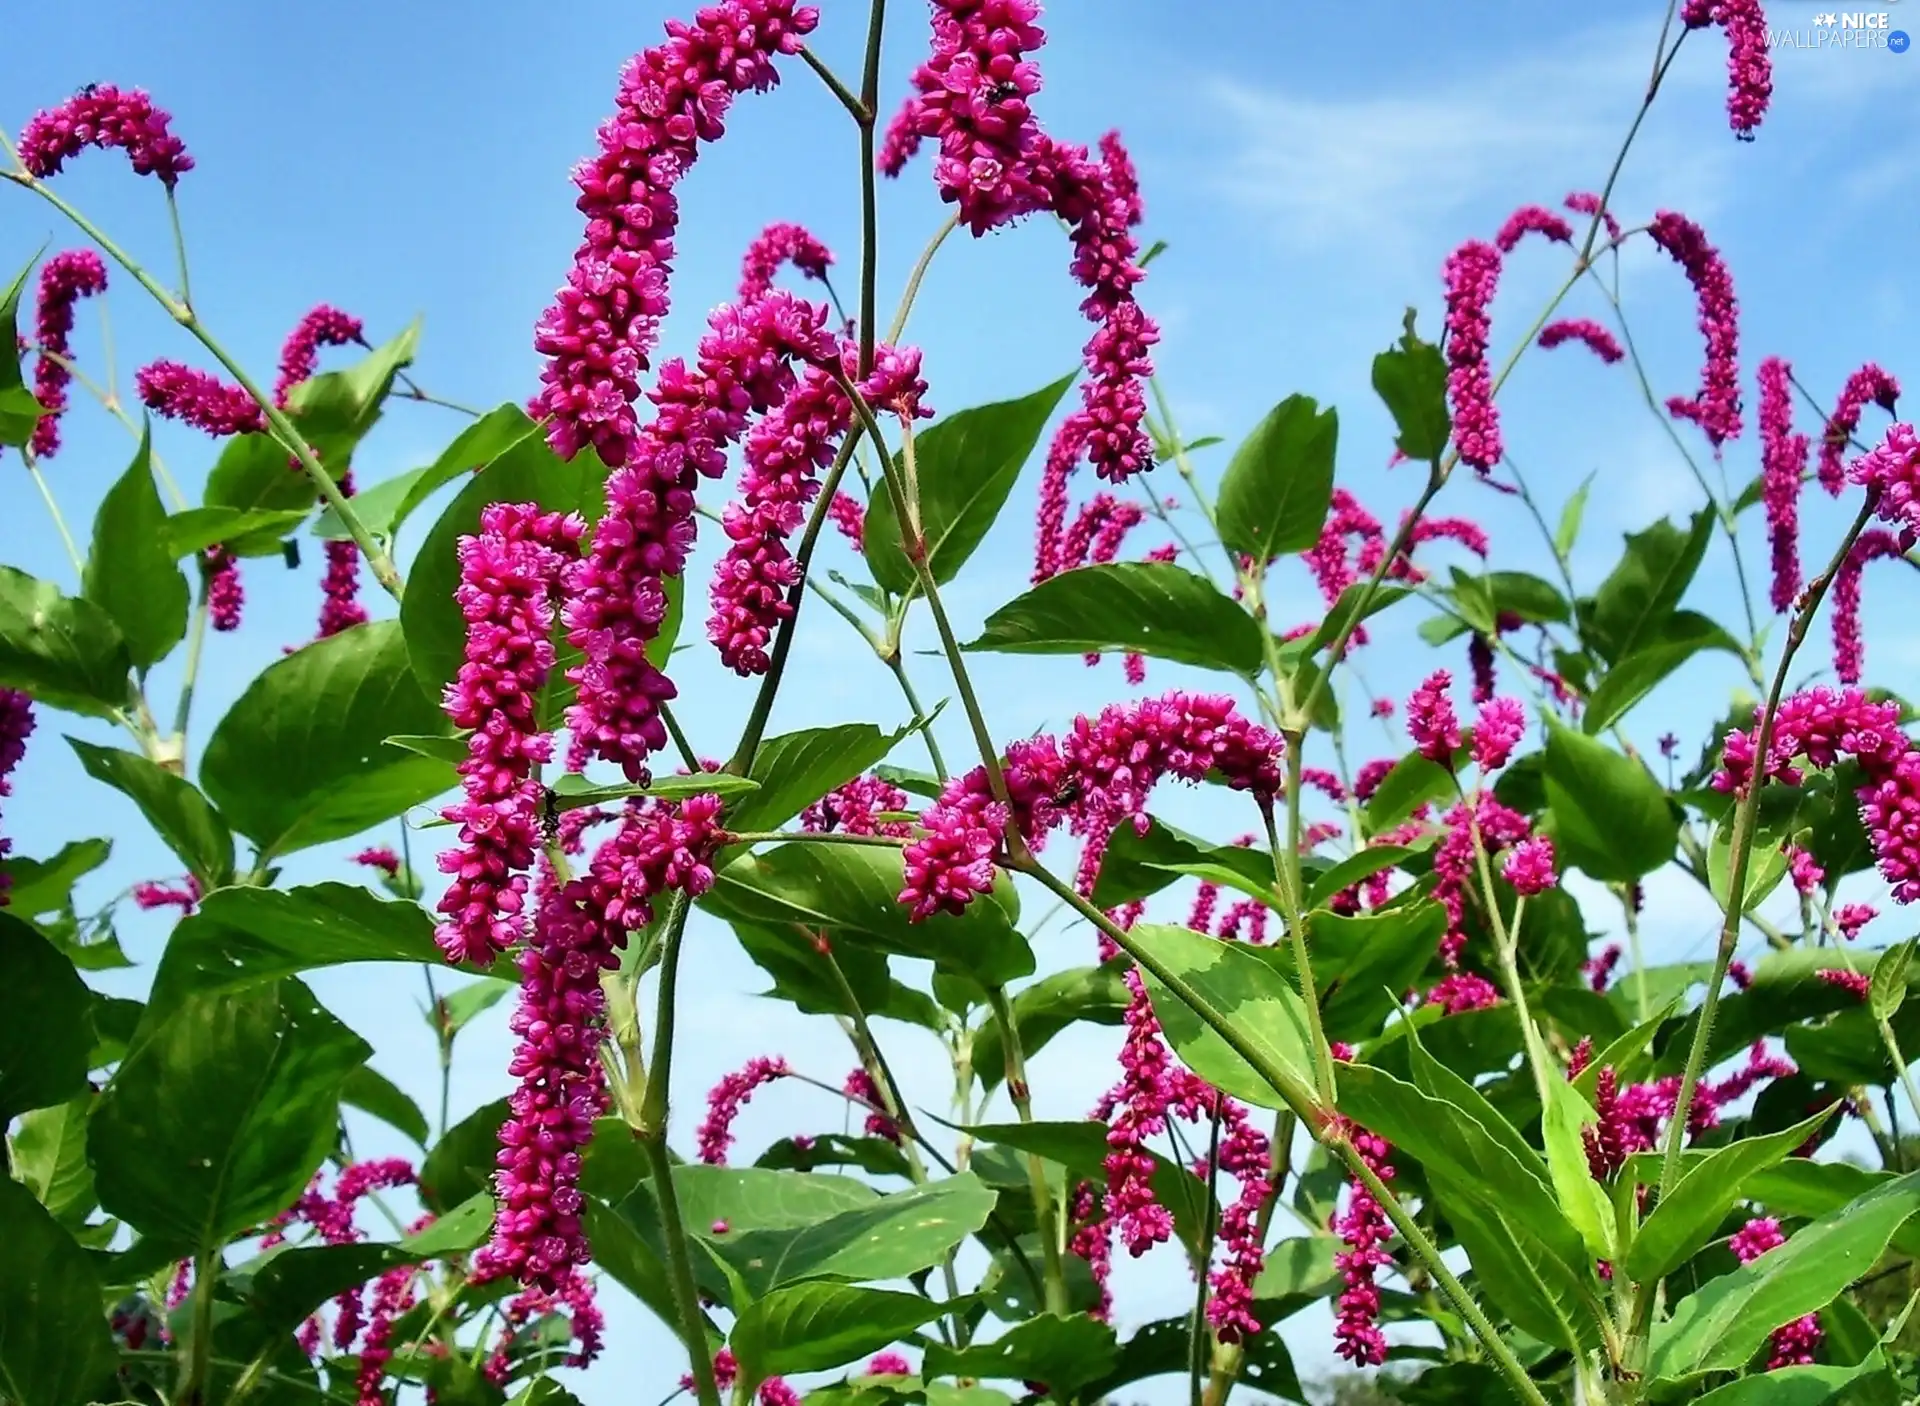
column 66, row 652
column 1568, row 532
column 1581, row 1197
column 246, row 937
column 54, row 1346
column 1361, row 962
column 623, row 1250
column 1676, row 640
column 465, row 1227
column 1610, row 818
column 816, row 1327
column 1356, row 868
column 244, row 532
column 1411, row 378
column 375, row 1094
column 175, row 808
column 460, row 1166
column 1888, row 991
column 220, row 1112
column 1636, row 600
column 1151, row 608
column 130, row 572
column 527, row 472
column 805, row 979
column 1794, row 1386
column 37, row 886
column 573, row 791
column 545, row 1391
column 290, row 1282
column 45, row 1030
column 384, row 506
column 1724, row 1323
column 1076, row 996
column 1138, row 866
column 1236, row 989
column 1624, row 1054
column 890, row 1238
column 1274, row 496
column 50, row 1157
column 1530, row 1258
column 1348, row 609
column 853, row 891
column 1766, row 865
column 967, row 464
column 797, row 768
column 300, row 758
column 1064, row 1353
column 1690, row 1215
column 1413, row 782
column 464, row 1003
column 256, row 473
column 1302, row 1268
column 19, row 410
column 334, row 410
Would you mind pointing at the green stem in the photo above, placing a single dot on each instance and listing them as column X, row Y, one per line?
column 869, row 199
column 1660, row 66
column 377, row 559
column 897, row 667
column 59, row 519
column 834, row 85
column 1741, row 852
column 1287, row 873
column 1506, row 944
column 1022, row 1098
column 1197, row 1333
column 689, row 758
column 196, row 641
column 1425, row 1250
column 810, row 837
column 193, row 1375
column 920, row 266
column 179, row 248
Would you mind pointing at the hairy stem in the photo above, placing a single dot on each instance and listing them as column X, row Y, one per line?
column 1022, row 1098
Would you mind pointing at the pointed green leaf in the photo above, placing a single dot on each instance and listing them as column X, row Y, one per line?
column 460, row 1165
column 1794, row 1386
column 1722, row 1324
column 1581, row 1197
column 1690, row 1216
column 1152, row 608
column 54, row 1346
column 1412, row 783
column 66, row 652
column 1568, row 532
column 175, row 808
column 50, row 1157
column 1411, row 378
column 334, row 410
column 797, row 768
column 301, row 758
column 378, row 1096
column 816, row 1327
column 1610, row 817
column 967, row 464
column 45, row 1029
column 37, row 886
column 131, row 574
column 246, row 937
column 1275, row 493
column 220, row 1112
column 1064, row 1353
column 255, row 473
column 1766, row 864
column 1234, row 988
column 244, row 532
column 19, row 411
column 1677, row 639
column 384, row 506
column 1058, row 1000
column 1888, row 991
column 1636, row 600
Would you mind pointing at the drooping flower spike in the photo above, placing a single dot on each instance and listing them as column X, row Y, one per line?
column 102, row 115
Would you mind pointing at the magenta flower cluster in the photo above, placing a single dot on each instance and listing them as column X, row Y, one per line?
column 604, row 324
column 332, row 1220
column 16, row 726
column 754, row 585
column 1869, row 385
column 64, row 280
column 538, row 1234
column 198, row 398
column 1749, row 65
column 1472, row 276
column 1587, row 333
column 585, row 1322
column 102, row 115
column 1793, row 1344
column 1715, row 407
column 781, row 243
column 1890, row 472
column 1112, row 762
column 323, row 326
column 1364, row 1227
column 225, row 595
column 508, row 573
column 725, row 1100
column 152, row 894
column 1783, row 466
column 856, row 807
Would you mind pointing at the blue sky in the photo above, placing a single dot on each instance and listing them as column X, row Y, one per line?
column 1308, row 175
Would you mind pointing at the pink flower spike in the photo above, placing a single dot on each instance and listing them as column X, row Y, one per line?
column 1585, row 331
column 1529, row 866
column 102, row 115
column 1532, row 219
column 1890, row 472
column 1716, row 406
column 177, row 392
column 323, row 326
column 1868, row 385
column 1783, row 463
column 1472, row 275
column 64, row 280
column 778, row 244
column 1503, row 722
column 1430, row 719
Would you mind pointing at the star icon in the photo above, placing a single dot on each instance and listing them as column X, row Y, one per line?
column 1826, row 20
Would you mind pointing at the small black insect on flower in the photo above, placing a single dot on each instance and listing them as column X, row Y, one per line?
column 549, row 815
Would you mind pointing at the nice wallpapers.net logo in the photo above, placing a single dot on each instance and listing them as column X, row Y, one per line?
column 1842, row 29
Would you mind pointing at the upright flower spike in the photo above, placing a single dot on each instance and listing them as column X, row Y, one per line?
column 1867, row 386
column 779, row 244
column 508, row 575
column 16, row 726
column 1472, row 274
column 1783, row 464
column 1431, row 722
column 64, row 280
column 197, row 398
column 605, row 322
column 1715, row 408
column 225, row 595
column 102, row 115
column 538, row 1235
column 1849, row 645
